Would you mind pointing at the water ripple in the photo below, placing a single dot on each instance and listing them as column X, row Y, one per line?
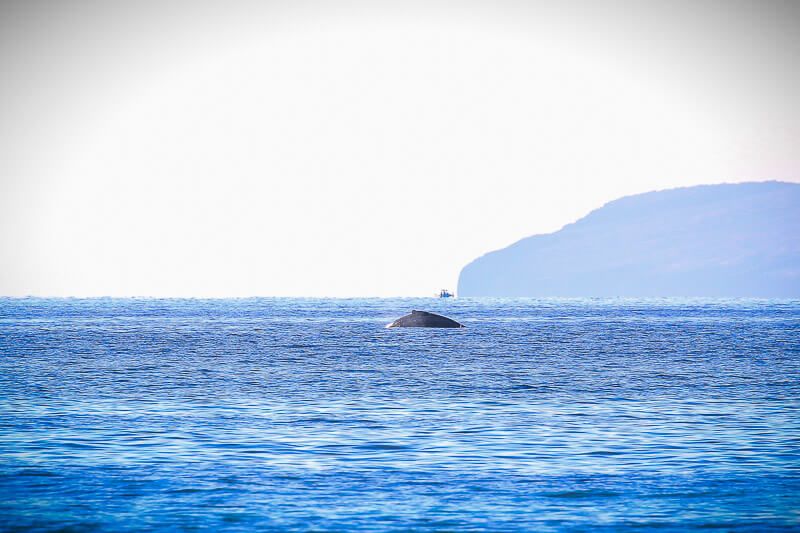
column 280, row 414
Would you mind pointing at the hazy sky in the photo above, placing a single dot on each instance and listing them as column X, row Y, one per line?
column 245, row 148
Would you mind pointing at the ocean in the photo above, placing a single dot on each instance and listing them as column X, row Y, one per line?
column 310, row 415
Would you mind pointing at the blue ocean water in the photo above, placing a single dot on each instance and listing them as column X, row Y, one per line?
column 305, row 414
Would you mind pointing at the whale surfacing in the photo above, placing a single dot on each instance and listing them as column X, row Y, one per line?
column 424, row 319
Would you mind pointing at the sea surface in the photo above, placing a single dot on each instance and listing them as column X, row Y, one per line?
column 311, row 415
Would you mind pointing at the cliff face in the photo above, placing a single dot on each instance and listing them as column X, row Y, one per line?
column 732, row 240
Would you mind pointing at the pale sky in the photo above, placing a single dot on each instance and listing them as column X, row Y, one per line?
column 311, row 148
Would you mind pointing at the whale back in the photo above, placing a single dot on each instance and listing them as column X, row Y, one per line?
column 424, row 319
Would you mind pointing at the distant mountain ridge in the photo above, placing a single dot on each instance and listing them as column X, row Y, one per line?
column 728, row 240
